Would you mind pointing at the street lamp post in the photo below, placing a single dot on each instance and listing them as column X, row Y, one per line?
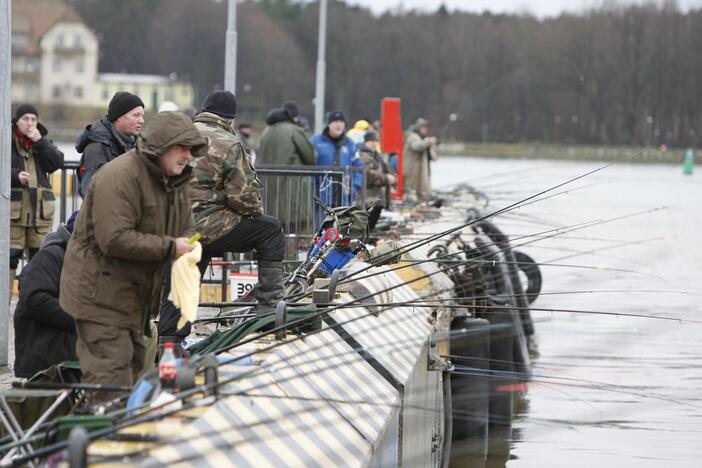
column 230, row 51
column 321, row 69
column 5, row 141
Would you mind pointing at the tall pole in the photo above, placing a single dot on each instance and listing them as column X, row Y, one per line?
column 5, row 141
column 230, row 52
column 321, row 68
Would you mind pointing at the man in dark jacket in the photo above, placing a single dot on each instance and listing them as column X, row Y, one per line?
column 44, row 334
column 34, row 157
column 112, row 135
column 136, row 216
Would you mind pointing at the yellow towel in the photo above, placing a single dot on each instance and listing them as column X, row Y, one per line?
column 185, row 284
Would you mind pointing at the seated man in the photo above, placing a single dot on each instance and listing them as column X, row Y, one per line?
column 45, row 335
column 227, row 208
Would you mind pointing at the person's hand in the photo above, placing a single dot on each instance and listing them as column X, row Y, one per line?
column 23, row 177
column 34, row 134
column 182, row 246
column 392, row 179
column 434, row 157
column 432, row 141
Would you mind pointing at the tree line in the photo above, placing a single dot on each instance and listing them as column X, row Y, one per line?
column 611, row 75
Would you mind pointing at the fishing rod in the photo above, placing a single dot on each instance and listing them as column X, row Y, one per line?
column 461, row 370
column 552, row 233
column 413, row 245
column 601, row 249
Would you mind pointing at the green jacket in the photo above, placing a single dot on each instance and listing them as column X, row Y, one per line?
column 125, row 232
column 284, row 142
column 225, row 186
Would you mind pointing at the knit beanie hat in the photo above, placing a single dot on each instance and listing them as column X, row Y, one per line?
column 221, row 103
column 334, row 116
column 25, row 109
column 291, row 108
column 371, row 136
column 121, row 103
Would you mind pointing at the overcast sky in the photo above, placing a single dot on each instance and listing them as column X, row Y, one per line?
column 539, row 8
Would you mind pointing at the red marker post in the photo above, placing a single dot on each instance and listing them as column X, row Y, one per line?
column 391, row 136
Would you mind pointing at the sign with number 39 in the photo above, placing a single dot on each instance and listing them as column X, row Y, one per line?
column 241, row 284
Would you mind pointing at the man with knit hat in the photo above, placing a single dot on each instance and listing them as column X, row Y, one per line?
column 227, row 207
column 34, row 157
column 135, row 217
column 112, row 135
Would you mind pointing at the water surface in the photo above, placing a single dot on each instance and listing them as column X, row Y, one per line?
column 633, row 397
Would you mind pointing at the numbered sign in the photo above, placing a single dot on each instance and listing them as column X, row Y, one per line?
column 241, row 284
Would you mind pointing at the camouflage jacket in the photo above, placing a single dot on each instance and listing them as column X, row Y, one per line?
column 224, row 187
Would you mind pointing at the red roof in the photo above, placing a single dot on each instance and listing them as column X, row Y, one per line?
column 36, row 17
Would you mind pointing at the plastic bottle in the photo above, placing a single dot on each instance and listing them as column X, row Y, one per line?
column 167, row 367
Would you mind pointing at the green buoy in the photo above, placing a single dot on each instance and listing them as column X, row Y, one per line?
column 689, row 163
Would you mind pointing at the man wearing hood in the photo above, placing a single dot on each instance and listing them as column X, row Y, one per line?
column 334, row 148
column 112, row 135
column 45, row 335
column 136, row 216
column 284, row 142
column 34, row 157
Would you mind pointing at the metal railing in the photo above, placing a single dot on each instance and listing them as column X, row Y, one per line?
column 288, row 194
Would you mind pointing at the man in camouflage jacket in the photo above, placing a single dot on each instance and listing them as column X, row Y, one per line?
column 226, row 199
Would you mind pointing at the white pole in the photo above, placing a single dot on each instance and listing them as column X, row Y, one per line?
column 230, row 53
column 321, row 68
column 5, row 142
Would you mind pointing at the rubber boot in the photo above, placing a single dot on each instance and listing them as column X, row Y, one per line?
column 269, row 290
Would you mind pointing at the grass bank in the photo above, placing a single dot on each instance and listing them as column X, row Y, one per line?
column 565, row 152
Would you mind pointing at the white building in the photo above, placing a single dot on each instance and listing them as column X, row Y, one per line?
column 55, row 62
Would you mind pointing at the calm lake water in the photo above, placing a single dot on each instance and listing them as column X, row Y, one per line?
column 607, row 390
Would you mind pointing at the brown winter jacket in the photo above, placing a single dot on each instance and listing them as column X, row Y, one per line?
column 113, row 269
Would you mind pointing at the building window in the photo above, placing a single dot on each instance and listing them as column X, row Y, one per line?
column 77, row 40
column 105, row 94
column 56, row 65
column 59, row 40
column 20, row 39
column 80, row 65
column 78, row 92
column 56, row 92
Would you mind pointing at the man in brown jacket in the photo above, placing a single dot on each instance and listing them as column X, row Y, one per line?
column 135, row 216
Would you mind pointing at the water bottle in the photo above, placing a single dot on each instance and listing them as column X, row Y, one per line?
column 167, row 367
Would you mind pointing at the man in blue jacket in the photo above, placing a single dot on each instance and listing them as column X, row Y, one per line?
column 334, row 148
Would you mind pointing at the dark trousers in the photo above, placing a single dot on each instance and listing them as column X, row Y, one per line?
column 261, row 234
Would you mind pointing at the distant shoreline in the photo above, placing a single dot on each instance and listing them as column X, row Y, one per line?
column 566, row 152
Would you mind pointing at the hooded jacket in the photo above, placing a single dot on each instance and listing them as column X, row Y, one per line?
column 284, row 142
column 33, row 204
column 127, row 227
column 44, row 334
column 99, row 144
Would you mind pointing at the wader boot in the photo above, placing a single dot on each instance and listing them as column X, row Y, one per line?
column 269, row 290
